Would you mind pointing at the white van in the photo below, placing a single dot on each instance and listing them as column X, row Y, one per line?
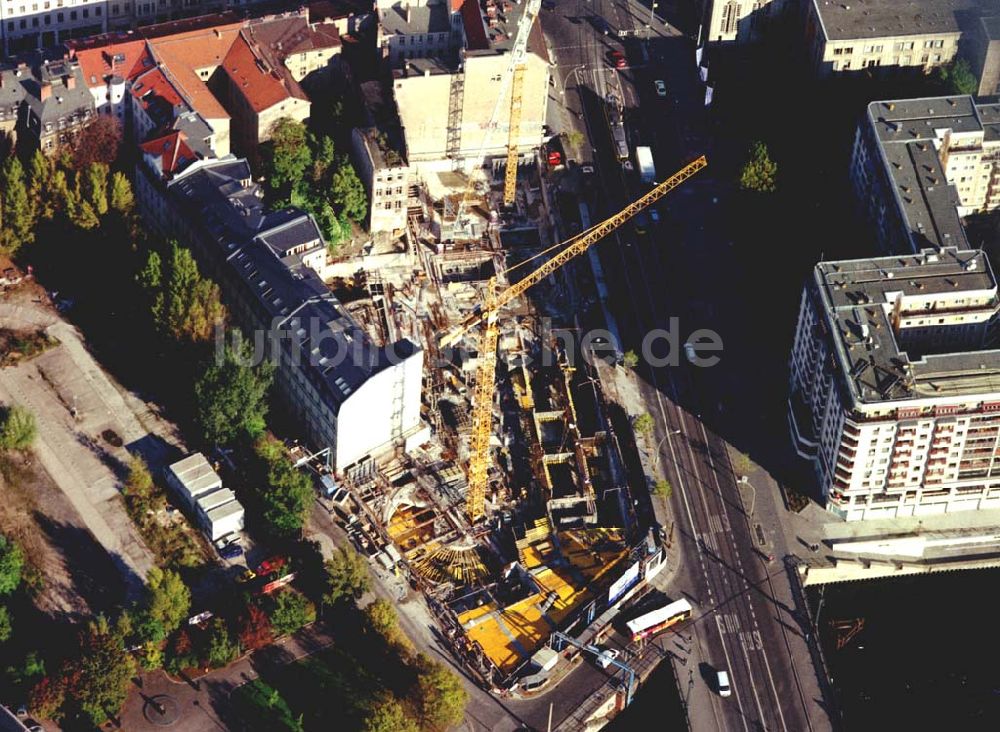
column 722, row 682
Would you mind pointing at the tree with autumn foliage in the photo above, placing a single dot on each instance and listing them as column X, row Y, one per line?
column 47, row 698
column 254, row 629
column 98, row 679
column 98, row 142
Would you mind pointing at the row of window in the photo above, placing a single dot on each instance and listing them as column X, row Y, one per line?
column 60, row 18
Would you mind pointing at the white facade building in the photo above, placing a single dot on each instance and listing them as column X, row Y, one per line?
column 895, row 384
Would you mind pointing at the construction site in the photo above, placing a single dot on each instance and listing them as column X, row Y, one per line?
column 514, row 518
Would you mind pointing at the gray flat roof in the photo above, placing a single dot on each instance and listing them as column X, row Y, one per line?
column 426, row 19
column 220, row 512
column 848, row 19
column 854, row 295
column 195, row 474
column 907, row 131
column 216, row 498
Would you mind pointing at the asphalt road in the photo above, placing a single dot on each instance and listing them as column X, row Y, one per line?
column 745, row 619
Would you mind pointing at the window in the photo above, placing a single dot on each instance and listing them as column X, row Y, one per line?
column 730, row 15
column 86, row 12
column 59, row 17
column 72, row 15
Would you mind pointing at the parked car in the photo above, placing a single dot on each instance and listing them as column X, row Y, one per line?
column 617, row 59
column 661, row 88
column 722, row 683
column 271, row 566
column 605, row 657
column 231, row 551
column 246, row 575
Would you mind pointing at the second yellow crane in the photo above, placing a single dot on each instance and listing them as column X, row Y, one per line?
column 493, row 301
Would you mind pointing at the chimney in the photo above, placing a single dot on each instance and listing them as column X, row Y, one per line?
column 45, row 91
column 70, row 81
column 407, row 13
column 218, row 33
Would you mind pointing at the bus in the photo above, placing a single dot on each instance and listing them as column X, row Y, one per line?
column 659, row 620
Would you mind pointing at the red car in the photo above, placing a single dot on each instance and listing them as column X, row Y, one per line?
column 271, row 566
column 618, row 59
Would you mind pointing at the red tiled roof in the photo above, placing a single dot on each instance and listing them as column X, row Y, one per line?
column 154, row 87
column 185, row 53
column 172, row 150
column 104, row 56
column 251, row 76
column 475, row 32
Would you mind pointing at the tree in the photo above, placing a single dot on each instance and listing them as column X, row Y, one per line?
column 386, row 714
column 287, row 157
column 168, row 599
column 17, row 428
column 291, row 610
column 289, row 494
column 61, row 197
column 759, row 172
column 643, row 424
column 139, row 481
column 16, row 210
column 255, row 629
column 101, row 676
column 47, row 698
column 323, row 160
column 188, row 306
column 574, row 138
column 95, row 183
column 11, row 565
column 742, row 464
column 39, row 177
column 5, row 624
column 232, row 397
column 663, row 489
column 82, row 214
column 438, row 695
column 382, row 618
column 222, row 649
column 346, row 576
column 630, row 359
column 98, row 142
column 347, row 192
column 181, row 653
column 958, row 78
column 150, row 277
column 122, row 199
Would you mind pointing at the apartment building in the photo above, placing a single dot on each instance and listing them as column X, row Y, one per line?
column 895, row 384
column 352, row 396
column 887, row 34
column 920, row 165
column 58, row 104
column 727, row 22
column 31, row 24
column 235, row 76
column 419, row 29
column 378, row 152
column 985, row 52
column 446, row 103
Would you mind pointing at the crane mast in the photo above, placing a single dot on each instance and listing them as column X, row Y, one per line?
column 518, row 56
column 493, row 301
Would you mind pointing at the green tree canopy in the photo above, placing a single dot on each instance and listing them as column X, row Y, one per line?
column 222, row 647
column 232, row 397
column 168, row 599
column 100, row 677
column 188, row 306
column 138, row 481
column 287, row 155
column 438, row 695
column 150, row 277
column 6, row 626
column 386, row 714
column 95, row 186
column 643, row 424
column 382, row 618
column 17, row 214
column 347, row 192
column 122, row 199
column 290, row 610
column 958, row 78
column 759, row 174
column 288, row 496
column 663, row 488
column 347, row 576
column 17, row 428
column 11, row 565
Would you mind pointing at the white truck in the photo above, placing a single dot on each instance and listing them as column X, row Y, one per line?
column 644, row 157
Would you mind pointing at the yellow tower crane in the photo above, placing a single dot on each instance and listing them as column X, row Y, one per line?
column 489, row 310
column 519, row 54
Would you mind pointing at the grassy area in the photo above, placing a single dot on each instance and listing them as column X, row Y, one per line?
column 166, row 533
column 17, row 346
column 262, row 708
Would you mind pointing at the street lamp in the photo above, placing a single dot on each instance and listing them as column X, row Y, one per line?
column 659, row 444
